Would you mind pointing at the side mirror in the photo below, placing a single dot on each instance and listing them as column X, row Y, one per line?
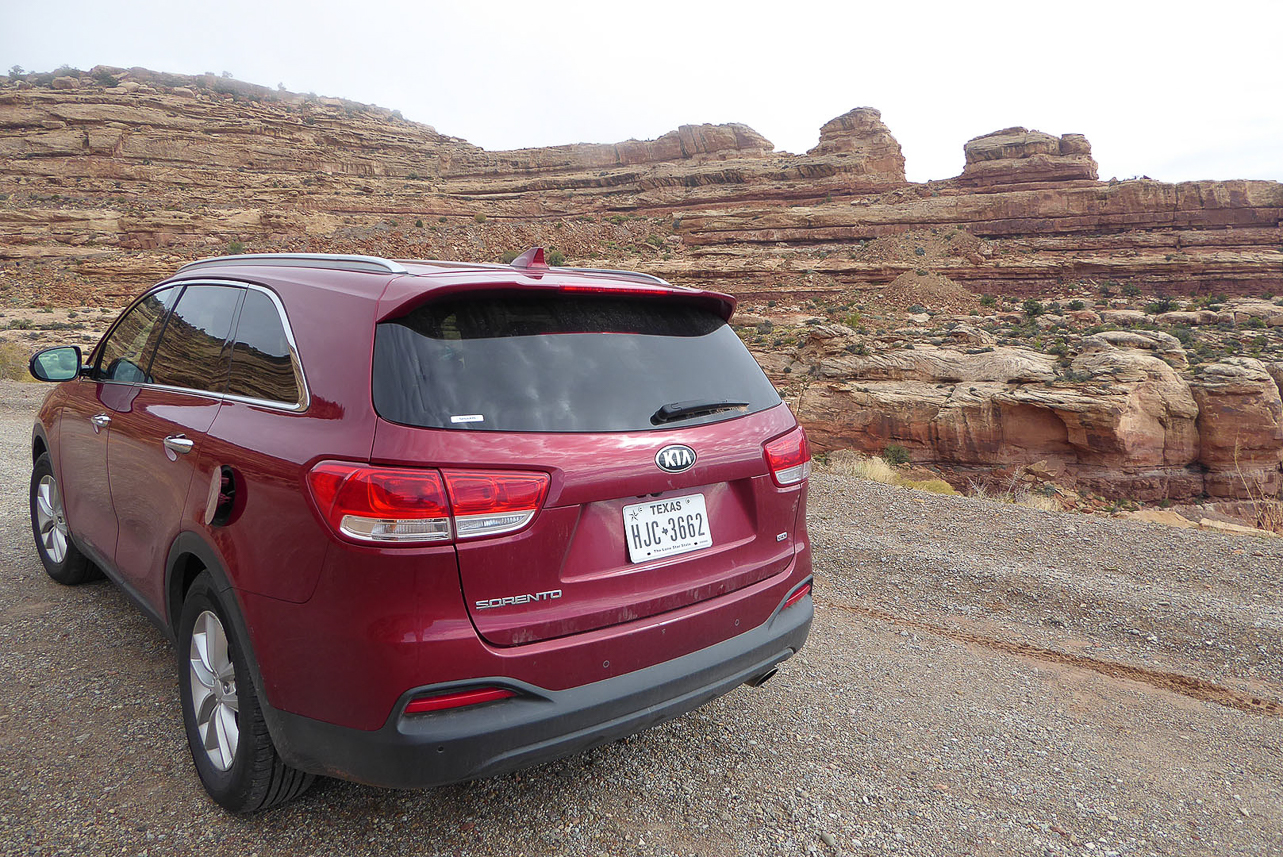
column 56, row 364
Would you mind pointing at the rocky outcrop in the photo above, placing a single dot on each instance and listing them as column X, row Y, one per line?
column 1121, row 420
column 1240, row 429
column 141, row 162
column 861, row 134
column 111, row 179
column 1018, row 155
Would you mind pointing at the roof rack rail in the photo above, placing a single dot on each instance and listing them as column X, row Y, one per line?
column 335, row 261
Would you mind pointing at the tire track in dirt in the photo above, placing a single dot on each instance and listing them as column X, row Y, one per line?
column 1196, row 688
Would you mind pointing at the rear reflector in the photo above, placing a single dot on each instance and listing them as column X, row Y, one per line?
column 394, row 504
column 802, row 591
column 423, row 704
column 789, row 458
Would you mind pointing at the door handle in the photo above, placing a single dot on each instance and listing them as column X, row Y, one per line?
column 100, row 421
column 179, row 443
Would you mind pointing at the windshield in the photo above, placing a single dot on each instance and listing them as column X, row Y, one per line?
column 563, row 363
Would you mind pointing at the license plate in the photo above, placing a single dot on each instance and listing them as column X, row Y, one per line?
column 660, row 528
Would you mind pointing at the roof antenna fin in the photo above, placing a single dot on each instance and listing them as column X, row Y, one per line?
column 532, row 259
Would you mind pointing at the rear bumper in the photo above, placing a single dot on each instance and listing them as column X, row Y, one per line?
column 538, row 725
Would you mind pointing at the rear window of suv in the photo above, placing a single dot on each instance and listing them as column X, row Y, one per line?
column 562, row 363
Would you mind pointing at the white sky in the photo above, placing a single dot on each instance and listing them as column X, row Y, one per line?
column 1172, row 89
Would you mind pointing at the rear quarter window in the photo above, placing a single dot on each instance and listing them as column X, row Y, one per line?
column 561, row 363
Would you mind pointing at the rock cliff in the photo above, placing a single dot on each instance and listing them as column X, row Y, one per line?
column 109, row 179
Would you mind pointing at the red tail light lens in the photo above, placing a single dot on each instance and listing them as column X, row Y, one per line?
column 423, row 704
column 487, row 502
column 393, row 504
column 382, row 504
column 789, row 458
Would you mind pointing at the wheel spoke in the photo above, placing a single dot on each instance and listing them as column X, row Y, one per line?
column 229, row 733
column 44, row 506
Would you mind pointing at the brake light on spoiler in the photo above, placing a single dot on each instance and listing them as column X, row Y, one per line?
column 412, row 505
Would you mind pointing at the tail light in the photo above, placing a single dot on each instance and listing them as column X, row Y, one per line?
column 487, row 503
column 789, row 458
column 393, row 504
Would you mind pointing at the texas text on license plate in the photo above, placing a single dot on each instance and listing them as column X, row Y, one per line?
column 660, row 528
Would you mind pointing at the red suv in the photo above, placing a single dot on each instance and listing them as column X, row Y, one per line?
column 411, row 523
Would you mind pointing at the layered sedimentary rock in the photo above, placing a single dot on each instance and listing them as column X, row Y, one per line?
column 1018, row 155
column 111, row 179
column 1121, row 420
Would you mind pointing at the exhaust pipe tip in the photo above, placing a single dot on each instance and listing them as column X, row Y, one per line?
column 759, row 680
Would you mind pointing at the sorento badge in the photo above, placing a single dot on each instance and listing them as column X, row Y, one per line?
column 675, row 458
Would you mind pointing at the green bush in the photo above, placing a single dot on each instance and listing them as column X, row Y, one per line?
column 895, row 454
column 988, row 300
column 1033, row 307
column 235, row 248
column 479, row 217
column 508, row 256
column 556, row 258
column 1076, row 305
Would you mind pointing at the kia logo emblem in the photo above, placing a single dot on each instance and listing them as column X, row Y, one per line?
column 675, row 458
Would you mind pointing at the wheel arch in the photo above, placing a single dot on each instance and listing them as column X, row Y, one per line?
column 189, row 556
column 39, row 442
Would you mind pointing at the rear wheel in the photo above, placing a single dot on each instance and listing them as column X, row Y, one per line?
column 62, row 560
column 228, row 737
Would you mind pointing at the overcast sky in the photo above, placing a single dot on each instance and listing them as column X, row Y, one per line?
column 1174, row 90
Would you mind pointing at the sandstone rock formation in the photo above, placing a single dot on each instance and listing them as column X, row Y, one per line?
column 1120, row 420
column 1018, row 155
column 111, row 179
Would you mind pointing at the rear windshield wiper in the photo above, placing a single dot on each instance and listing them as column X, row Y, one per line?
column 695, row 408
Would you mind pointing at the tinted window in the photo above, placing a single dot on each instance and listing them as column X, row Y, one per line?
column 562, row 363
column 262, row 367
column 193, row 349
column 127, row 350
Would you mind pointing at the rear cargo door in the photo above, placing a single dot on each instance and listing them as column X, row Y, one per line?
column 650, row 419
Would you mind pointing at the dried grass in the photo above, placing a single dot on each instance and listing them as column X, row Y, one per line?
column 13, row 362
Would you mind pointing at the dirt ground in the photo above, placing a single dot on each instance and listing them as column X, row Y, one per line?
column 981, row 679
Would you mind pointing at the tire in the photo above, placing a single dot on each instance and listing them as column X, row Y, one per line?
column 231, row 748
column 62, row 560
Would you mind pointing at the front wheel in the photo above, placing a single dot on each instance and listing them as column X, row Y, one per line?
column 231, row 748
column 62, row 560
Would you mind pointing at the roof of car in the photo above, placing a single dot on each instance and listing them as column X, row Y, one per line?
column 399, row 284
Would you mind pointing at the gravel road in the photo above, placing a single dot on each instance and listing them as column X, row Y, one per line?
column 981, row 679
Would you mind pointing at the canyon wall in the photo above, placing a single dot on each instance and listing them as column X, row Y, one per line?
column 112, row 178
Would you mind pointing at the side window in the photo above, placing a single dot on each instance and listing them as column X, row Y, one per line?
column 262, row 367
column 193, row 351
column 126, row 353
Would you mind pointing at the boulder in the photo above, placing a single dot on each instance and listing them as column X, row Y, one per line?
column 1240, row 428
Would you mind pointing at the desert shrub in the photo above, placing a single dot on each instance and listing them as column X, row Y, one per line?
column 479, row 217
column 508, row 256
column 556, row 258
column 894, row 453
column 1076, row 305
column 988, row 300
column 13, row 362
column 235, row 248
column 1033, row 307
